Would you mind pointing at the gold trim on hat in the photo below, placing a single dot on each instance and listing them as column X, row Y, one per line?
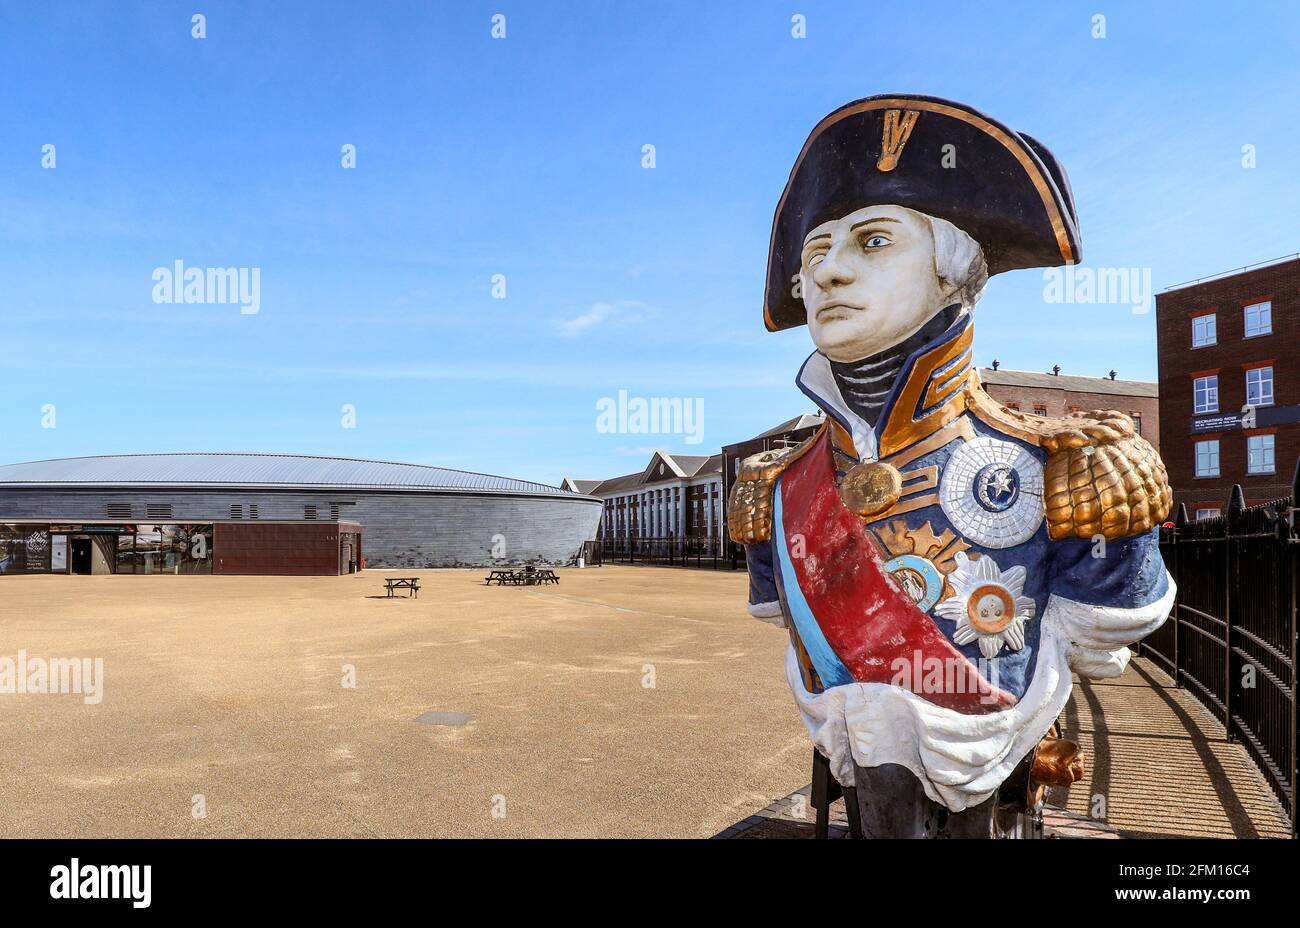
column 897, row 130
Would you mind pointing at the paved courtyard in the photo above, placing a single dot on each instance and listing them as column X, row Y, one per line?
column 626, row 702
column 232, row 689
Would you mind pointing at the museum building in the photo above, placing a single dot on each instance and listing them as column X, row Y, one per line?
column 675, row 497
column 276, row 514
column 679, row 498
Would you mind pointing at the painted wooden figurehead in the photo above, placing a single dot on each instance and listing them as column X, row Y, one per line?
column 934, row 555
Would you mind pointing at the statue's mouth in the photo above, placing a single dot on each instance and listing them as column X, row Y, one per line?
column 836, row 310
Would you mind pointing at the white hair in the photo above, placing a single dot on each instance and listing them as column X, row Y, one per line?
column 958, row 261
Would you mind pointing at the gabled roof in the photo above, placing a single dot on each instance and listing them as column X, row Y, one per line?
column 670, row 467
column 712, row 466
column 626, row 482
column 253, row 470
column 578, row 486
column 804, row 421
column 682, row 465
column 677, row 467
column 1075, row 383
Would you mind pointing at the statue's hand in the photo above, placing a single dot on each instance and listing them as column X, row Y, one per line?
column 1102, row 478
column 1057, row 762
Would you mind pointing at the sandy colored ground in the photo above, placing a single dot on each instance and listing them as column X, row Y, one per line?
column 231, row 688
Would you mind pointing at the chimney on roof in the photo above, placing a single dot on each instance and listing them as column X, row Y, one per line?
column 996, row 363
column 1056, row 370
column 1112, row 373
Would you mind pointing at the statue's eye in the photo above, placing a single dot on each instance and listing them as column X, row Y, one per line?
column 816, row 258
column 875, row 241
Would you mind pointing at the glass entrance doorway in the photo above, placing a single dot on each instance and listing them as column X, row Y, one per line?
column 82, row 558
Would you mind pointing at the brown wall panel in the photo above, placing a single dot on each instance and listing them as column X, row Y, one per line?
column 285, row 549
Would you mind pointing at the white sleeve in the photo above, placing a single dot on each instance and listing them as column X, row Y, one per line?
column 1100, row 635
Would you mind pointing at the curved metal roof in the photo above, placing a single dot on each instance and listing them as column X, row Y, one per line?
column 296, row 471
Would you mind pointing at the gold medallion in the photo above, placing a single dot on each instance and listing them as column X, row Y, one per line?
column 870, row 489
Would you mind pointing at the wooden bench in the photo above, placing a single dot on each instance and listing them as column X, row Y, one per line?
column 412, row 584
column 529, row 576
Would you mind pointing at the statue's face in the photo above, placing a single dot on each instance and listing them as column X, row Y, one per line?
column 869, row 281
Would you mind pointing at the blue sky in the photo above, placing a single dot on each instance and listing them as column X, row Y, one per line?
column 522, row 157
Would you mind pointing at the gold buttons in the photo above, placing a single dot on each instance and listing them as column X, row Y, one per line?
column 870, row 489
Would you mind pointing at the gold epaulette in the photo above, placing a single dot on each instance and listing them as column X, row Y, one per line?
column 1102, row 478
column 749, row 508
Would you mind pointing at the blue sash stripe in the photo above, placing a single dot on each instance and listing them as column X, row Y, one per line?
column 829, row 667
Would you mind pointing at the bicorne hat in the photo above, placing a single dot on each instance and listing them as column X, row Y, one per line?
column 1002, row 188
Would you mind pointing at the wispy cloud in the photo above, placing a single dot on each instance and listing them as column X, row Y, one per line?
column 622, row 311
column 598, row 313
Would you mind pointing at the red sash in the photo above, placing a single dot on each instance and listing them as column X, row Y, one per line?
column 866, row 618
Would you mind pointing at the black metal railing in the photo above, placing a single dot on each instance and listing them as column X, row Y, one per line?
column 1231, row 638
column 667, row 552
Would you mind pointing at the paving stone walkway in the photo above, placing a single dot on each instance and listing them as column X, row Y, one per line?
column 1161, row 765
column 1157, row 766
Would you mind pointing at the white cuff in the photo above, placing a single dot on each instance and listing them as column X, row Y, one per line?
column 768, row 612
column 1098, row 665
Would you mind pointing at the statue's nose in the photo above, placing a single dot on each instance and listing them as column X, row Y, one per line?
column 833, row 270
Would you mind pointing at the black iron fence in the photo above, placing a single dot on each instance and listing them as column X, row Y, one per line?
column 665, row 552
column 1231, row 638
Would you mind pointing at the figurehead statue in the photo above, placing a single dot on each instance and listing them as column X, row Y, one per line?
column 942, row 563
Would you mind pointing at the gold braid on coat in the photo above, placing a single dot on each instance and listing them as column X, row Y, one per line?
column 1101, row 477
column 749, row 508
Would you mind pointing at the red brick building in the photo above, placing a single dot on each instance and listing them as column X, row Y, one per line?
column 1230, row 385
column 1060, row 394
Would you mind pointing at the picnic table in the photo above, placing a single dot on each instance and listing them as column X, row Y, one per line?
column 412, row 584
column 529, row 576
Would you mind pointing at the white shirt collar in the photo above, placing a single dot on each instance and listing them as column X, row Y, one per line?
column 818, row 383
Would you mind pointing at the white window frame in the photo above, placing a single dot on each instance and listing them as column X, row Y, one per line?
column 1261, row 454
column 1263, row 312
column 1210, row 330
column 1209, row 513
column 1261, row 399
column 1209, row 386
column 1211, row 457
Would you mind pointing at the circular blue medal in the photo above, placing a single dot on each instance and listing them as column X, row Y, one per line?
column 919, row 578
